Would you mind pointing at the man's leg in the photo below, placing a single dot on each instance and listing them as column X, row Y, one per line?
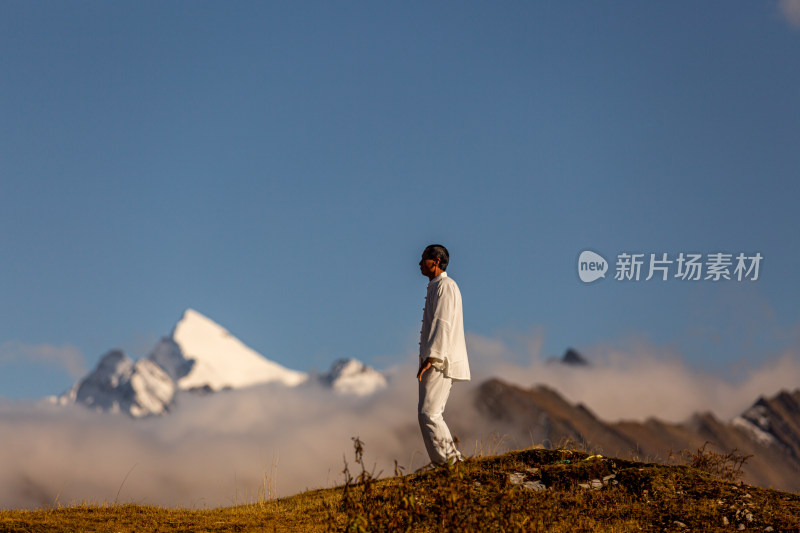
column 434, row 389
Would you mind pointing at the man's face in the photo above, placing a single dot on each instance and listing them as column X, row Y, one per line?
column 427, row 266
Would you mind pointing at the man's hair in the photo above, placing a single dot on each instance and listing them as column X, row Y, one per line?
column 437, row 251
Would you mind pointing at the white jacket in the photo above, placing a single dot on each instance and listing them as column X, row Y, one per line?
column 442, row 334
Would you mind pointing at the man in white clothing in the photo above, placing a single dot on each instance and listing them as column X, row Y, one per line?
column 442, row 353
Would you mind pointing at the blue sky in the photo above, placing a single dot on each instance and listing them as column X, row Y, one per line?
column 280, row 166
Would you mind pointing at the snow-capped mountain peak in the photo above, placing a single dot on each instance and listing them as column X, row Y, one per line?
column 351, row 376
column 201, row 354
column 118, row 384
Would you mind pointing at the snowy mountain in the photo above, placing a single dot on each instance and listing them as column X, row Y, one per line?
column 118, row 384
column 775, row 422
column 350, row 376
column 200, row 354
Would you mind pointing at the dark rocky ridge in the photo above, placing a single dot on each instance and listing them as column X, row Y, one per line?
column 541, row 416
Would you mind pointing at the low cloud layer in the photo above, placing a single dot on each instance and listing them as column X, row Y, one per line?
column 640, row 381
column 216, row 450
column 240, row 446
column 66, row 357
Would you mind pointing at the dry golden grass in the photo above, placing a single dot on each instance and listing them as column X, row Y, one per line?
column 304, row 512
column 476, row 495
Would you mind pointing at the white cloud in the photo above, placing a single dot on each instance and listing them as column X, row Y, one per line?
column 640, row 381
column 66, row 357
column 790, row 10
column 213, row 450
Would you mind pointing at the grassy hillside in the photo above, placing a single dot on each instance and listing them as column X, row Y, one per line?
column 529, row 490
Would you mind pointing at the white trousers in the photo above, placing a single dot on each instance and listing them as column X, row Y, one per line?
column 434, row 389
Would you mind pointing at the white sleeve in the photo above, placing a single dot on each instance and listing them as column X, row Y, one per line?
column 440, row 338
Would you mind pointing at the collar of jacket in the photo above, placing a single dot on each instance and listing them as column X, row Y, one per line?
column 438, row 278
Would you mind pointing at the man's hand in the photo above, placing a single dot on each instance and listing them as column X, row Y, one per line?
column 426, row 364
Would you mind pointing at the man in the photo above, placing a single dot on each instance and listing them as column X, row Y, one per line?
column 442, row 353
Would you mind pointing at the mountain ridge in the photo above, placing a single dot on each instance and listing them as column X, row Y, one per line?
column 541, row 415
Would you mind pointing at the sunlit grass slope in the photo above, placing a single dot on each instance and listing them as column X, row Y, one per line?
column 528, row 490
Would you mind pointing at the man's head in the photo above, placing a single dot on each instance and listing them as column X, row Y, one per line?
column 434, row 260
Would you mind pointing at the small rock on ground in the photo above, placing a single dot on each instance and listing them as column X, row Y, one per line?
column 516, row 478
column 534, row 485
